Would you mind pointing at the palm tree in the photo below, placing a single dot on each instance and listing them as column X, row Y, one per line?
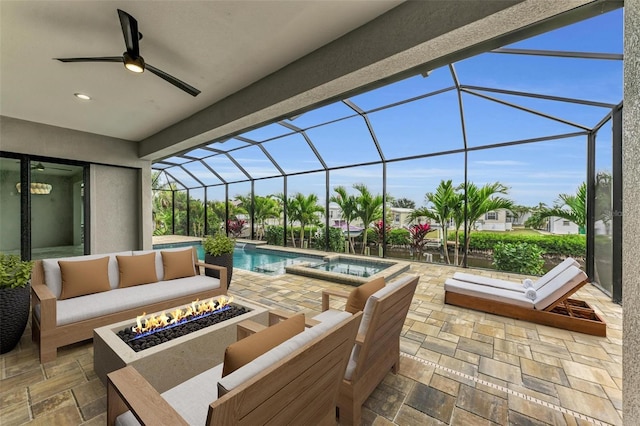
column 570, row 207
column 305, row 210
column 368, row 209
column 265, row 208
column 444, row 202
column 483, row 200
column 348, row 205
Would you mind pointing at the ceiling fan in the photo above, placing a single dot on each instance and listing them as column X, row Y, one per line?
column 131, row 58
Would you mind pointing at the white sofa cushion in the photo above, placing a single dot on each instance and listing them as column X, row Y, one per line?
column 191, row 399
column 53, row 277
column 554, row 272
column 159, row 265
column 120, row 299
column 491, row 282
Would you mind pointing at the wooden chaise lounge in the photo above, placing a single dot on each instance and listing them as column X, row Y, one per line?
column 547, row 303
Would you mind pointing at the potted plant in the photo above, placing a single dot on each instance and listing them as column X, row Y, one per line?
column 218, row 250
column 14, row 299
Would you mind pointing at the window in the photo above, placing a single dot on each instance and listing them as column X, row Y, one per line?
column 491, row 216
column 566, row 223
column 396, row 218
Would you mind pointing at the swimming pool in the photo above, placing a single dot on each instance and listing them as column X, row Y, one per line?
column 267, row 262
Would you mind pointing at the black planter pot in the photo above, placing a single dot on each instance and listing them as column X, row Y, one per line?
column 14, row 311
column 225, row 260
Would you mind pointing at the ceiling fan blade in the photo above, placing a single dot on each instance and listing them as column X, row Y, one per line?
column 97, row 59
column 59, row 168
column 171, row 79
column 130, row 32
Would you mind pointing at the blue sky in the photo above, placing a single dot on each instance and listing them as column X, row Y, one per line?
column 535, row 173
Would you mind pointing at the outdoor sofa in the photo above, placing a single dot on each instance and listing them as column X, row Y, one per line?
column 72, row 296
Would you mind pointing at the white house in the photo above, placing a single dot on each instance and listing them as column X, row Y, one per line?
column 496, row 220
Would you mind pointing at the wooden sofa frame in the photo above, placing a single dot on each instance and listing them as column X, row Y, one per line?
column 300, row 389
column 379, row 349
column 566, row 313
column 50, row 337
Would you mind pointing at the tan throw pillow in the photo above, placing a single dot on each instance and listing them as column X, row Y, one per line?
column 359, row 295
column 84, row 277
column 178, row 264
column 246, row 350
column 135, row 270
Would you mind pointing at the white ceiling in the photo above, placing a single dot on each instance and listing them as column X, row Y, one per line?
column 217, row 46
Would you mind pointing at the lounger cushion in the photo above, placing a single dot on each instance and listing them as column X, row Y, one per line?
column 246, row 350
column 190, row 399
column 74, row 277
column 269, row 358
column 488, row 292
column 359, row 295
column 559, row 286
column 492, row 282
column 554, row 272
column 178, row 264
column 326, row 315
column 53, row 277
column 99, row 304
column 136, row 270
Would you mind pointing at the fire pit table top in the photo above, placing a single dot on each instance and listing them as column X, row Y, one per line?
column 172, row 362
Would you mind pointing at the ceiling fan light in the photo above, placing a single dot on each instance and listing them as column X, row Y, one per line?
column 133, row 64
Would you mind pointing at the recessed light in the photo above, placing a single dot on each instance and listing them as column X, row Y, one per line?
column 82, row 96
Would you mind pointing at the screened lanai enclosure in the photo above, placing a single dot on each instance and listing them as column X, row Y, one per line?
column 509, row 149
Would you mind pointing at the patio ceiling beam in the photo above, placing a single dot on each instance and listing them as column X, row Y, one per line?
column 529, row 110
column 275, row 163
column 539, row 96
column 306, row 138
column 463, row 126
column 415, row 98
column 561, row 53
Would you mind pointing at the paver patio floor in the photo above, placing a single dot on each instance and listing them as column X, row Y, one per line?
column 458, row 366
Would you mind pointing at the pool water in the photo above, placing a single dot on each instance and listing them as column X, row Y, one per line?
column 351, row 267
column 256, row 260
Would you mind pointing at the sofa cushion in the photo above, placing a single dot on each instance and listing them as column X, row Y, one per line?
column 178, row 264
column 99, row 304
column 359, row 295
column 266, row 360
column 190, row 399
column 84, row 277
column 557, row 287
column 159, row 265
column 53, row 278
column 246, row 350
column 136, row 270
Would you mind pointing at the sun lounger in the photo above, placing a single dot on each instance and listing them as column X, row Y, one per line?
column 546, row 302
column 514, row 286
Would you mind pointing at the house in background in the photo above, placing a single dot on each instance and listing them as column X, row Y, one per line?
column 560, row 226
column 497, row 220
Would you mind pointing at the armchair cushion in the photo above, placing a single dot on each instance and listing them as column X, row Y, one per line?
column 359, row 295
column 136, row 270
column 74, row 277
column 178, row 264
column 246, row 350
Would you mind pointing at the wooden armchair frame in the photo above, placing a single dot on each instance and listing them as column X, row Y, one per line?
column 302, row 388
column 378, row 350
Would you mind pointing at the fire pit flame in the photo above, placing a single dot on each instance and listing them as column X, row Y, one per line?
column 149, row 325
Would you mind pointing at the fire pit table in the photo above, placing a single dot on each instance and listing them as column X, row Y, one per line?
column 170, row 363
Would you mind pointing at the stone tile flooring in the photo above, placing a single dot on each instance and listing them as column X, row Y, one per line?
column 459, row 367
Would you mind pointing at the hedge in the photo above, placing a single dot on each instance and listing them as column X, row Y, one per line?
column 565, row 245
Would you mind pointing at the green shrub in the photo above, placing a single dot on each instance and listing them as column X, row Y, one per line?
column 336, row 239
column 399, row 237
column 218, row 244
column 563, row 245
column 274, row 235
column 523, row 258
column 14, row 272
